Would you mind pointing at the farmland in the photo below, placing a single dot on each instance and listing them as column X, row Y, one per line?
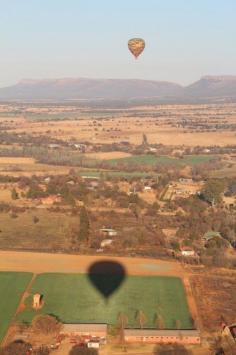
column 189, row 125
column 143, row 160
column 72, row 298
column 50, row 232
column 12, row 285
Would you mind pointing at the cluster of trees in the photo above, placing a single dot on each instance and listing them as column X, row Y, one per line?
column 21, row 348
column 84, row 225
column 213, row 190
column 41, row 324
column 46, row 324
column 26, row 139
column 174, row 349
column 78, row 350
column 58, row 185
column 122, row 199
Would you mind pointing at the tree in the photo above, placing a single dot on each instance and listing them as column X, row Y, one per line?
column 35, row 191
column 178, row 324
column 159, row 321
column 174, row 349
column 42, row 350
column 122, row 322
column 223, row 345
column 84, row 225
column 46, row 324
column 141, row 318
column 78, row 350
column 35, row 219
column 14, row 194
column 15, row 348
column 145, row 141
column 160, row 324
column 213, row 190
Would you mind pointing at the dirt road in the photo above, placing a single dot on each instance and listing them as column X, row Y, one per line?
column 45, row 262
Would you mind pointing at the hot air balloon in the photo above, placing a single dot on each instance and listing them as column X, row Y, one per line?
column 136, row 46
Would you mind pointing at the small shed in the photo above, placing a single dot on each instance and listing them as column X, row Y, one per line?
column 37, row 301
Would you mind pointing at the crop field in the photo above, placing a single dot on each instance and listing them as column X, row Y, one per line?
column 153, row 160
column 12, row 285
column 108, row 155
column 114, row 174
column 73, row 298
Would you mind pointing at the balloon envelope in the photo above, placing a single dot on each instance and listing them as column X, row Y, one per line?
column 136, row 46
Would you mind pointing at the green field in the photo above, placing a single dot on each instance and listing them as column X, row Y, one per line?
column 165, row 160
column 115, row 174
column 72, row 298
column 12, row 285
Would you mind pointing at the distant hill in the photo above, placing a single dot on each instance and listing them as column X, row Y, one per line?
column 207, row 88
column 213, row 86
column 76, row 89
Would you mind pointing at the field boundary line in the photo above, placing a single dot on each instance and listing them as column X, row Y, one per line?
column 22, row 299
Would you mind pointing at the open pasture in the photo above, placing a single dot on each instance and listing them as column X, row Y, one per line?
column 73, row 298
column 153, row 160
column 12, row 286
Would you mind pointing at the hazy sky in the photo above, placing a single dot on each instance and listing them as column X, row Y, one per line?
column 185, row 39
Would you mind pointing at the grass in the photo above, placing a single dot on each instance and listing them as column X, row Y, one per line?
column 165, row 160
column 225, row 172
column 52, row 231
column 111, row 174
column 72, row 298
column 12, row 285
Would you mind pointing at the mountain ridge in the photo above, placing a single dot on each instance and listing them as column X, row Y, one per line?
column 219, row 86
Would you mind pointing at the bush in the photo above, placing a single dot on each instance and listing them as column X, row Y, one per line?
column 46, row 324
column 78, row 350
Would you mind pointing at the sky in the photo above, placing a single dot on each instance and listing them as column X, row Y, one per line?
column 185, row 39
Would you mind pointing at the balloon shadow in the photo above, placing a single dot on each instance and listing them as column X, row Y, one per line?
column 106, row 276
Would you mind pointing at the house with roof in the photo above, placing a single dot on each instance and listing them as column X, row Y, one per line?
column 167, row 336
column 109, row 232
column 50, row 200
column 229, row 331
column 211, row 235
column 187, row 251
column 89, row 330
column 215, row 238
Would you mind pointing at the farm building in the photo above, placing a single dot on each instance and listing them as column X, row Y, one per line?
column 93, row 184
column 147, row 188
column 186, row 181
column 50, row 200
column 106, row 243
column 108, row 232
column 210, row 235
column 54, row 146
column 92, row 330
column 79, row 146
column 187, row 251
column 229, row 331
column 162, row 336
